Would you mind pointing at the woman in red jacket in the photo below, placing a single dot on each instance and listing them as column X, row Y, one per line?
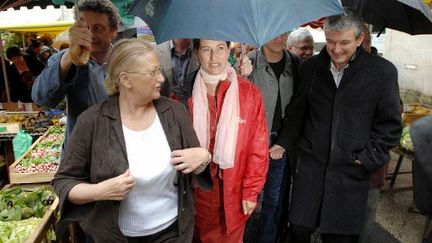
column 229, row 118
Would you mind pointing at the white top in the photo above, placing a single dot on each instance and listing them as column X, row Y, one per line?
column 152, row 204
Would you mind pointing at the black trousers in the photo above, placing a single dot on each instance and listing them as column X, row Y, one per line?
column 299, row 234
column 168, row 235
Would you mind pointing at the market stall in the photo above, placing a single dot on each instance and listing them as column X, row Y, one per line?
column 50, row 27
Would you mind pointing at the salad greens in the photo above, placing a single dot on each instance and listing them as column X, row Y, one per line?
column 21, row 211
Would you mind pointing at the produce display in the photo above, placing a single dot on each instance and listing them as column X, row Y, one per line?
column 12, row 118
column 22, row 210
column 45, row 156
column 406, row 141
column 32, row 121
column 414, row 112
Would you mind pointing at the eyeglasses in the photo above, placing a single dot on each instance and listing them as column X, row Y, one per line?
column 304, row 48
column 220, row 50
column 153, row 73
column 97, row 28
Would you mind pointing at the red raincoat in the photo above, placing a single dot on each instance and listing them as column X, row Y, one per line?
column 246, row 179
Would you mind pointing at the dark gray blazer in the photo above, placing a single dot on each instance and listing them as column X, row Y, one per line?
column 421, row 134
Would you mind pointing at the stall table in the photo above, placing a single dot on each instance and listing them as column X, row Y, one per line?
column 402, row 153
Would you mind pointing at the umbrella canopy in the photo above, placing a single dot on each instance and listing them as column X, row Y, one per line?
column 30, row 4
column 49, row 27
column 410, row 16
column 245, row 21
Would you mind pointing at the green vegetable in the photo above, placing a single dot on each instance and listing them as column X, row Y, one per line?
column 21, row 211
column 17, row 204
column 406, row 141
column 17, row 231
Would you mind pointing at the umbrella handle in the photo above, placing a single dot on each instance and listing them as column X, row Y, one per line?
column 243, row 51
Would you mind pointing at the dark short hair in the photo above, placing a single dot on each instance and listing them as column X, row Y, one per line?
column 99, row 6
column 35, row 43
column 13, row 51
column 196, row 43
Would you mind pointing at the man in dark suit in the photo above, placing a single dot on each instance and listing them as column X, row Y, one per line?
column 340, row 125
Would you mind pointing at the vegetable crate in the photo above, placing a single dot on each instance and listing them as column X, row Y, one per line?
column 40, row 162
column 35, row 228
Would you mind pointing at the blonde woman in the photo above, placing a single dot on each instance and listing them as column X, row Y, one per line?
column 129, row 165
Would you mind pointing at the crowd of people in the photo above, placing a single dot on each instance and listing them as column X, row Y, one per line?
column 22, row 68
column 299, row 134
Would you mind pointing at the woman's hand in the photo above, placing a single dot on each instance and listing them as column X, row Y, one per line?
column 188, row 160
column 115, row 188
column 276, row 152
column 248, row 207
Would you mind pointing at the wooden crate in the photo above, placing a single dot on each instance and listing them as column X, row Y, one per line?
column 47, row 222
column 40, row 234
column 34, row 177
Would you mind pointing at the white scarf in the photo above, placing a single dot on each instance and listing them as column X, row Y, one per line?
column 227, row 128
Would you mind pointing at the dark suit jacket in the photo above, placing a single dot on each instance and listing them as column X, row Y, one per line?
column 421, row 134
column 331, row 127
column 97, row 151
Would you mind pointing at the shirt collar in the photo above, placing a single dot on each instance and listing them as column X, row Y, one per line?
column 335, row 70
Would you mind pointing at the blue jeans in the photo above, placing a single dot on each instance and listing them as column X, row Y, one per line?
column 276, row 185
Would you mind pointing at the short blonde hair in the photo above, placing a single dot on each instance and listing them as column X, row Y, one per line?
column 123, row 58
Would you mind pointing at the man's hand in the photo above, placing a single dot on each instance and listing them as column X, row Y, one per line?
column 80, row 34
column 245, row 66
column 116, row 188
column 276, row 152
column 248, row 207
column 80, row 38
column 188, row 160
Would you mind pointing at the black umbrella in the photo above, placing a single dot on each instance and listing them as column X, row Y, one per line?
column 410, row 16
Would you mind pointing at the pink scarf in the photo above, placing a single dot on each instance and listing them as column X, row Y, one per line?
column 227, row 128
